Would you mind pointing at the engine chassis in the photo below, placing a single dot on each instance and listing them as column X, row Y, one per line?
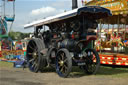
column 63, row 42
column 71, row 37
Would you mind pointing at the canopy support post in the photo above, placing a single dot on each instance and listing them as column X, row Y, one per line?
column 112, row 48
column 100, row 35
column 108, row 26
column 125, row 27
column 118, row 31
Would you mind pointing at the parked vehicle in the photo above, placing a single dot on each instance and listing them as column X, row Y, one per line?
column 66, row 40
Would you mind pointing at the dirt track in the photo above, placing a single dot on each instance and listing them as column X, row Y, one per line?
column 18, row 76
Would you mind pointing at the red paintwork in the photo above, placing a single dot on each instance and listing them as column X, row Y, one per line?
column 114, row 59
column 0, row 53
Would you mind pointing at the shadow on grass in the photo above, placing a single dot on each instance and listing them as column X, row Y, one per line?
column 104, row 70
column 76, row 72
column 107, row 70
column 48, row 70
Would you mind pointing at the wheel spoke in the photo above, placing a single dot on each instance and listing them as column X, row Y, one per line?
column 36, row 67
column 62, row 69
column 65, row 60
column 33, row 44
column 92, row 61
column 36, row 50
column 35, row 47
column 59, row 58
column 91, row 65
column 35, row 61
column 62, row 56
column 89, row 68
column 31, row 47
column 65, row 68
column 64, row 63
column 34, row 55
column 88, row 58
column 31, row 60
column 60, row 63
column 30, row 53
column 33, row 64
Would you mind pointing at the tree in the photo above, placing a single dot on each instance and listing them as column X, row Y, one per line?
column 18, row 35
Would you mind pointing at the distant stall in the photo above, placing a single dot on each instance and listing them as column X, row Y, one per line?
column 112, row 42
column 12, row 50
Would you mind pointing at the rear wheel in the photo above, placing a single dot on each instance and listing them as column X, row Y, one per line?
column 92, row 61
column 36, row 60
column 63, row 63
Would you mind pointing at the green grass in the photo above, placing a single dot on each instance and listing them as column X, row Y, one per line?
column 77, row 72
column 6, row 64
column 114, row 72
column 103, row 71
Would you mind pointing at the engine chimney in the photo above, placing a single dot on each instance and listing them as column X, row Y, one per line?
column 74, row 4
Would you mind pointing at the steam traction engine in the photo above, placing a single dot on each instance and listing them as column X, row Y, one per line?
column 66, row 40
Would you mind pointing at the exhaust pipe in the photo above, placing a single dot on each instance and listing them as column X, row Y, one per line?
column 74, row 4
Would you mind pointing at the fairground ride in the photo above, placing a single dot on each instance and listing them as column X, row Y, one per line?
column 7, row 16
column 112, row 43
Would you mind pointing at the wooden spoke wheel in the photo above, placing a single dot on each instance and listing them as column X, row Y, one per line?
column 92, row 61
column 63, row 63
column 36, row 60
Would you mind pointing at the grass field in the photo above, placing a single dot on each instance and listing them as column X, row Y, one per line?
column 103, row 71
column 6, row 64
column 114, row 72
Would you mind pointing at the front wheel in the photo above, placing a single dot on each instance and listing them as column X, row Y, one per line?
column 36, row 60
column 63, row 63
column 92, row 61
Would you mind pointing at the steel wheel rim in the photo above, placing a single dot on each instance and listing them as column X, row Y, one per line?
column 33, row 56
column 91, row 61
column 62, row 64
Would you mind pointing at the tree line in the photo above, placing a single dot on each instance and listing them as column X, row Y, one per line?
column 18, row 35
